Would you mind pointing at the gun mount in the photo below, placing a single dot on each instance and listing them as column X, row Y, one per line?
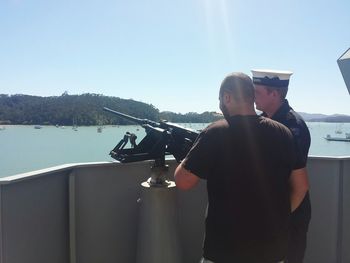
column 157, row 195
column 162, row 138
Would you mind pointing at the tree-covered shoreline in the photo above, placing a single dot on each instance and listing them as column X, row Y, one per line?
column 85, row 110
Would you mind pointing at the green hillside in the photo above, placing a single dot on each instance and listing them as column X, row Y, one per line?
column 85, row 109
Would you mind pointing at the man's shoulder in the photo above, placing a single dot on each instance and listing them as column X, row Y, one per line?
column 274, row 128
column 292, row 117
column 272, row 123
column 296, row 123
column 217, row 125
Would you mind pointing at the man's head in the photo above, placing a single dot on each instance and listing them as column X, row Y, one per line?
column 271, row 87
column 236, row 94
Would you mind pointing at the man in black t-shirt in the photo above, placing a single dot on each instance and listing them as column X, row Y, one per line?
column 246, row 160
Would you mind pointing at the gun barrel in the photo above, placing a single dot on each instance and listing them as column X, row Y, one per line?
column 131, row 118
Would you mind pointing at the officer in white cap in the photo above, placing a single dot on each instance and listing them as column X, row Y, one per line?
column 271, row 87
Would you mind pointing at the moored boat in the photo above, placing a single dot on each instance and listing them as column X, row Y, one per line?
column 338, row 139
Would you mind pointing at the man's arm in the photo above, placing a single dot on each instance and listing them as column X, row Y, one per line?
column 299, row 185
column 184, row 179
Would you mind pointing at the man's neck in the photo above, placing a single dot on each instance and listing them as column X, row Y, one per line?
column 243, row 111
column 273, row 108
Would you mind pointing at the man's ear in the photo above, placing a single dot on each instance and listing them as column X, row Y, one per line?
column 275, row 93
column 227, row 98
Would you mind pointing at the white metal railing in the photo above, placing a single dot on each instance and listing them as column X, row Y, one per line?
column 89, row 213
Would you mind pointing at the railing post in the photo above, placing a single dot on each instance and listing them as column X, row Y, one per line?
column 72, row 221
column 340, row 213
column 1, row 229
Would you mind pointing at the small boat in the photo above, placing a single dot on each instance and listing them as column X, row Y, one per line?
column 99, row 129
column 338, row 139
column 74, row 126
column 37, row 127
column 338, row 129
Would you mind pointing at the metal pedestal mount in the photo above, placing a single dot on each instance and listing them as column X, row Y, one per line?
column 158, row 240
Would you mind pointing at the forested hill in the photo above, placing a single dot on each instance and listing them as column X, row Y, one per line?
column 85, row 109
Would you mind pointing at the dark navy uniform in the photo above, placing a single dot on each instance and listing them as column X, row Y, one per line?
column 301, row 216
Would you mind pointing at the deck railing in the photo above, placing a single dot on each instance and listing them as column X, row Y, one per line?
column 82, row 213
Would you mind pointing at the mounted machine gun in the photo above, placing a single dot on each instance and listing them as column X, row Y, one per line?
column 162, row 138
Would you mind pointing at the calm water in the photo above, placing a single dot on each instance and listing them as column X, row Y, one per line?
column 23, row 148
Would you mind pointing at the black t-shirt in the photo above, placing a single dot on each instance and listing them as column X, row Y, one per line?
column 246, row 161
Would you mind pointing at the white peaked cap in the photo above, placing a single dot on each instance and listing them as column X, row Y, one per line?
column 273, row 78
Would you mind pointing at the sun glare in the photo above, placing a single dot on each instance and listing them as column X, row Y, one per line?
column 220, row 26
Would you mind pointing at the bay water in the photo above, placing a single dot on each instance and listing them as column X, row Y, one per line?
column 24, row 148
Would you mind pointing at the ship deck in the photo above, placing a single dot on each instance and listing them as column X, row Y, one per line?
column 88, row 213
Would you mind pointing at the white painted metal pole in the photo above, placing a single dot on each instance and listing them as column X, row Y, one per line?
column 158, row 240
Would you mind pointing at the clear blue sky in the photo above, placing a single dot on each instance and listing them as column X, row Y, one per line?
column 173, row 54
